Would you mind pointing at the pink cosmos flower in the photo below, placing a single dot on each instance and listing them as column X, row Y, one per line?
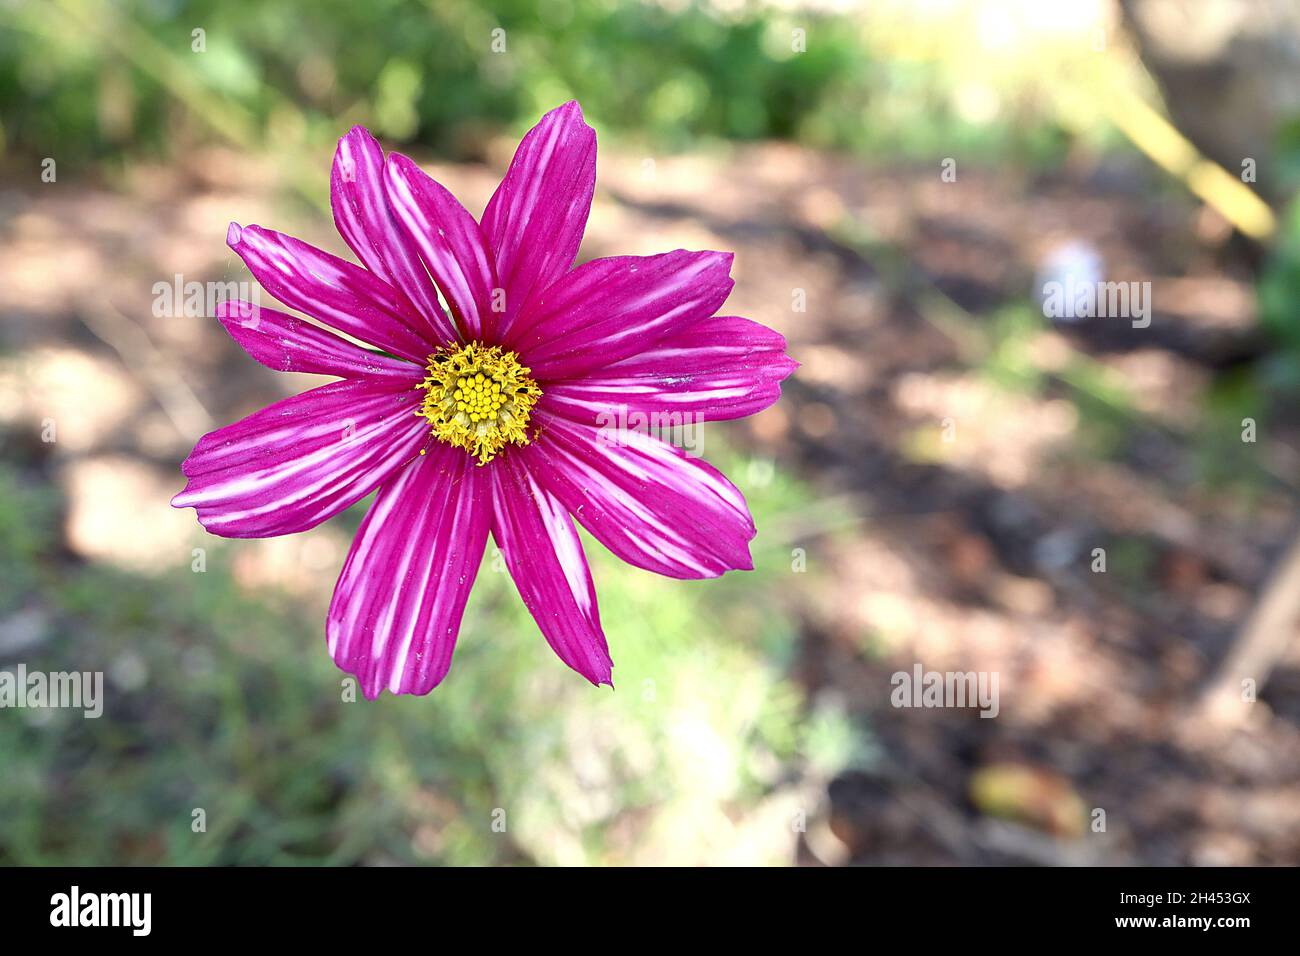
column 489, row 416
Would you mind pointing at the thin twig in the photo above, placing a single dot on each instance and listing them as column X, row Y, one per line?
column 131, row 342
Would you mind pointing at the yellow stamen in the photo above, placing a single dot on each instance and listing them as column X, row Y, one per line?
column 478, row 398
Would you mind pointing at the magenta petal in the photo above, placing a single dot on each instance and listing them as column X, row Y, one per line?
column 397, row 607
column 293, row 464
column 717, row 369
column 544, row 556
column 286, row 343
column 607, row 310
column 644, row 499
column 366, row 222
column 342, row 295
column 450, row 243
column 357, row 198
column 535, row 220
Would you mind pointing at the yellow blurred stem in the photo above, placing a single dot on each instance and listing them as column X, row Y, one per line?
column 1157, row 138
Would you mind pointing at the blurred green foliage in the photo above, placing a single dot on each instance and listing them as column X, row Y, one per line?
column 420, row 72
column 1273, row 382
column 87, row 79
column 1279, row 291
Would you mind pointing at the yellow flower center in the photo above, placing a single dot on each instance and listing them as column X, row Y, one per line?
column 478, row 398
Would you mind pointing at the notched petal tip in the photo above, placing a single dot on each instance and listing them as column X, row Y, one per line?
column 570, row 110
column 748, row 563
column 396, row 162
column 599, row 675
column 358, row 138
column 370, row 686
column 709, row 258
column 741, row 560
column 716, row 262
column 190, row 466
column 400, row 165
column 401, row 171
column 185, row 498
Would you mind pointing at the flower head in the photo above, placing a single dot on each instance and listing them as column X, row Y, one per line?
column 489, row 416
column 478, row 398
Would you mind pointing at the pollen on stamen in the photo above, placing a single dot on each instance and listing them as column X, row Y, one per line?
column 478, row 398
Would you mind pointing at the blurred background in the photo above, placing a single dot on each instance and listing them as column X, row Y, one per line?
column 1103, row 515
